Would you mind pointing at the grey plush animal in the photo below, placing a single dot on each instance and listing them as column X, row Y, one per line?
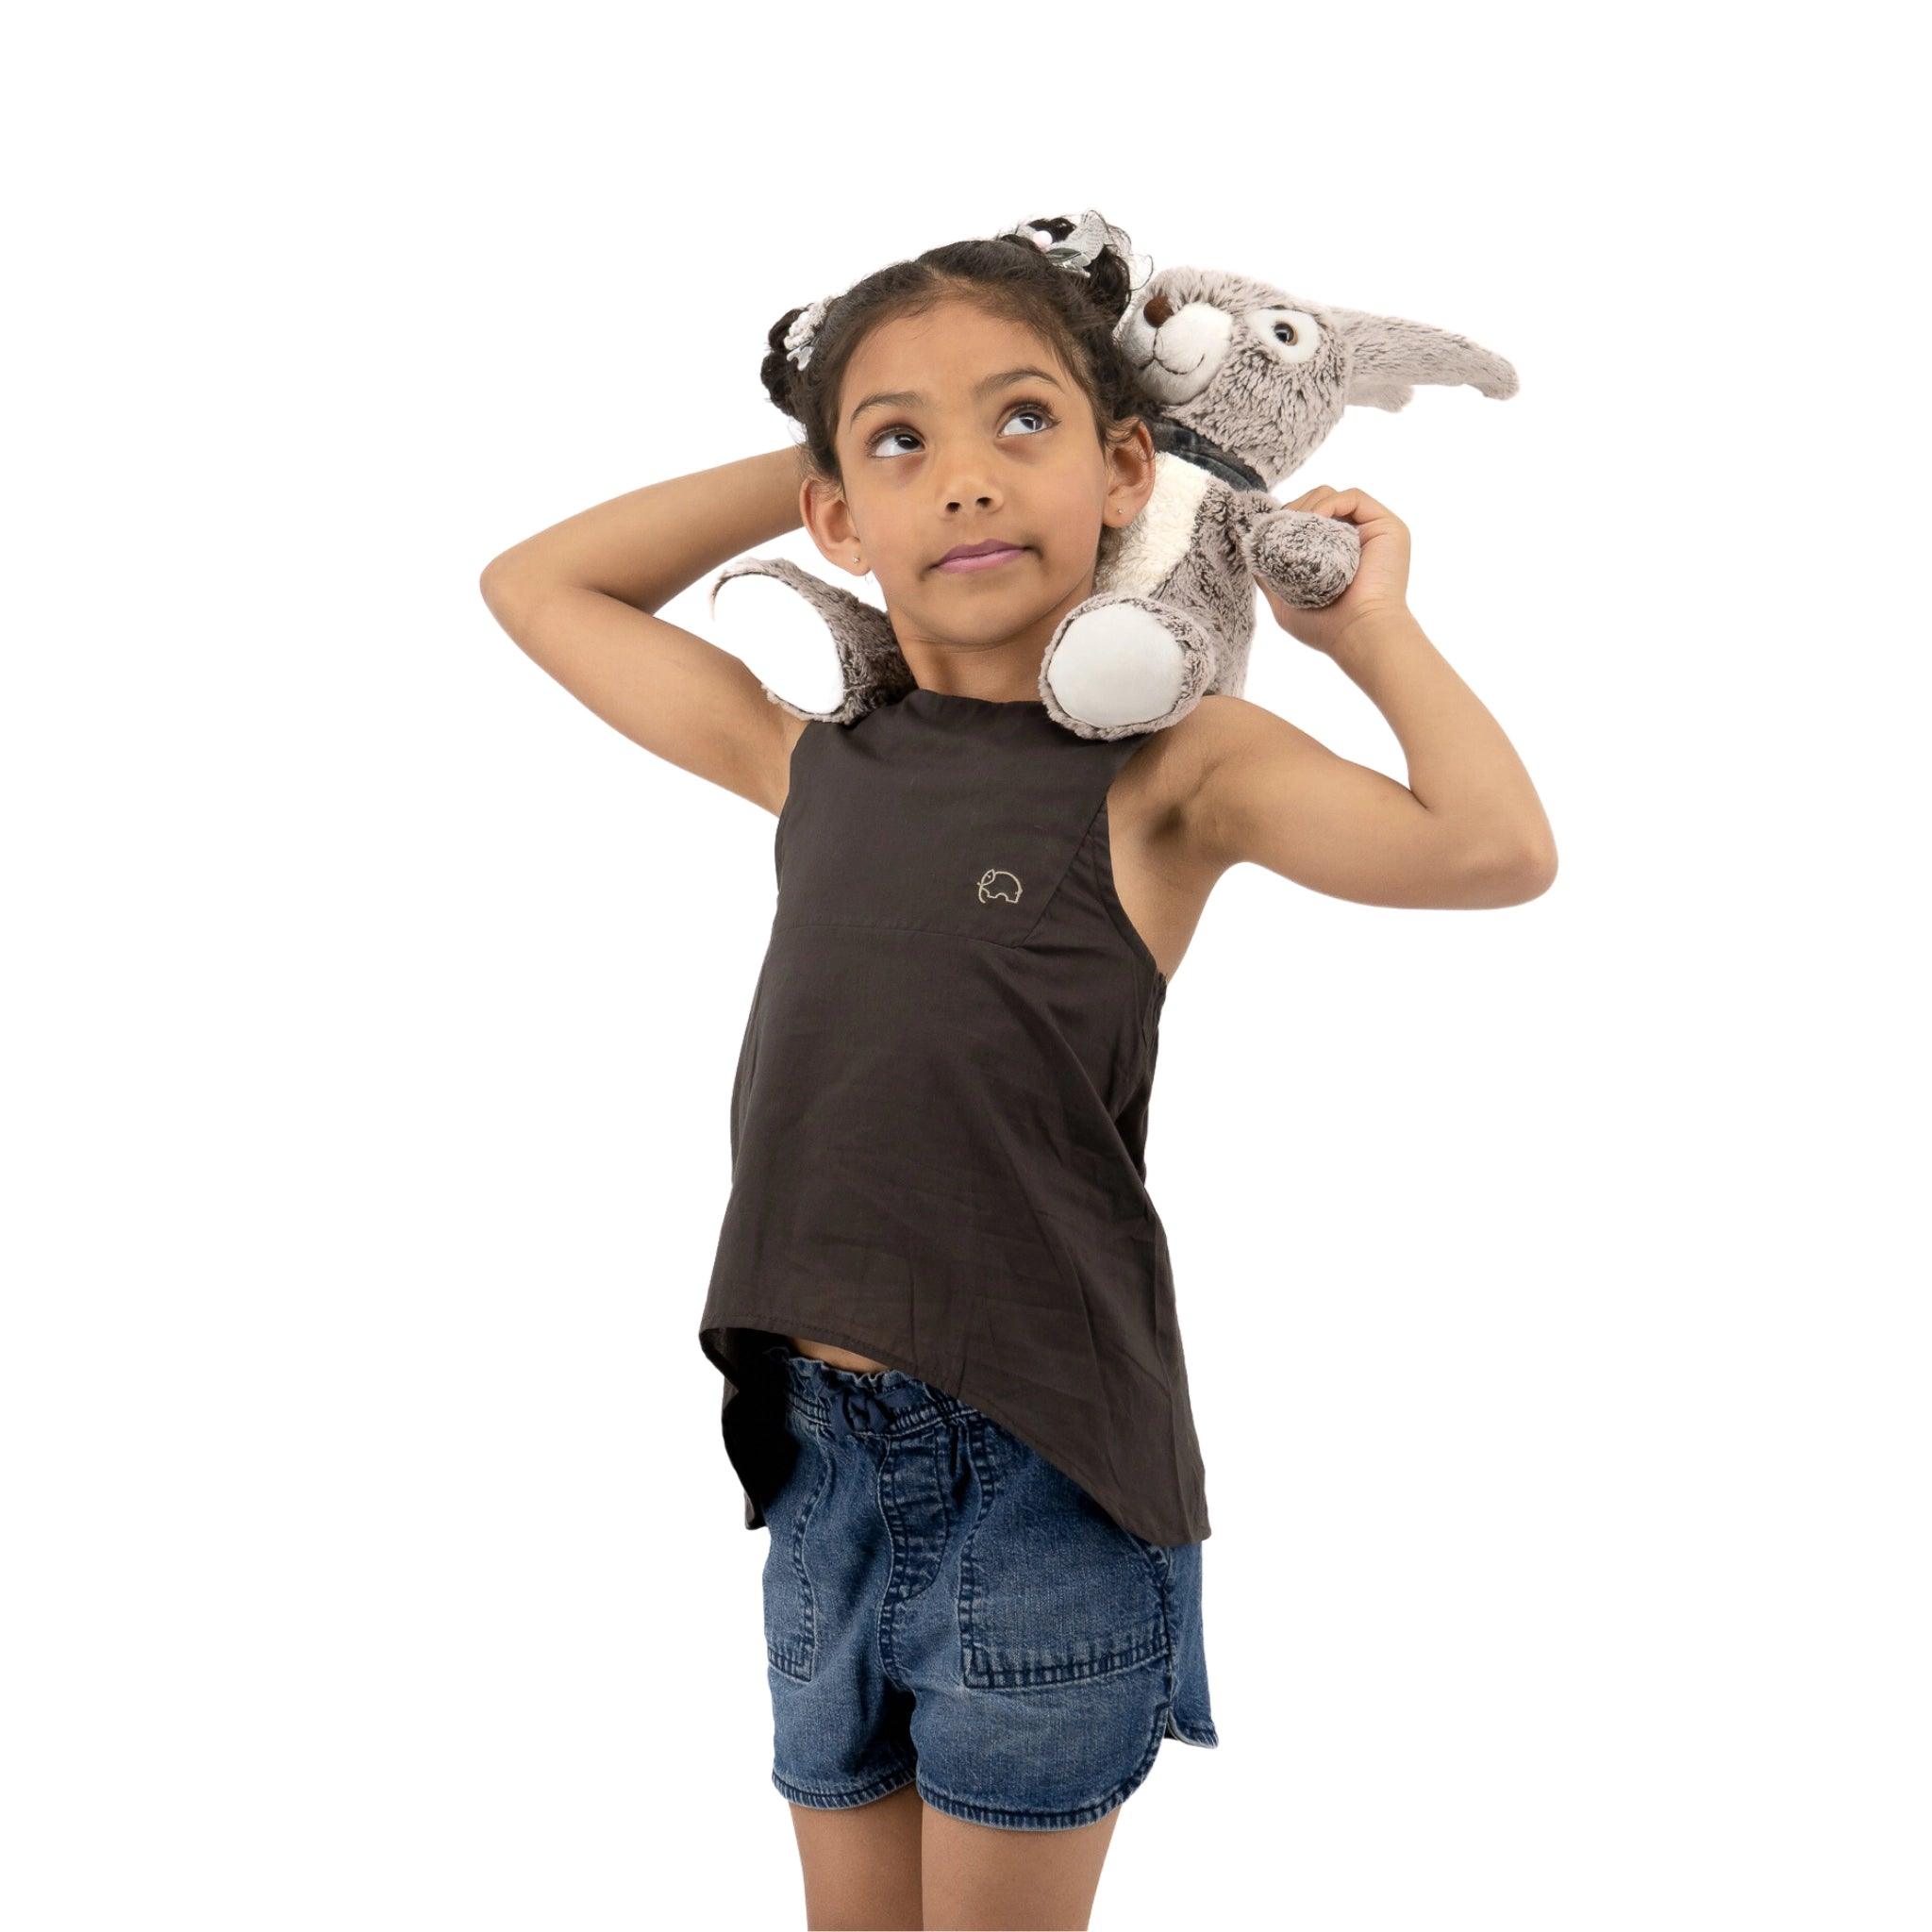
column 1243, row 383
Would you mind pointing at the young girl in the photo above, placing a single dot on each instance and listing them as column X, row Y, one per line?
column 955, row 1391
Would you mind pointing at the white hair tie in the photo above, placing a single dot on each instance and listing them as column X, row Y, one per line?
column 1079, row 249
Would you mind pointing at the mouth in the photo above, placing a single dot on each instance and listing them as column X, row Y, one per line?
column 965, row 557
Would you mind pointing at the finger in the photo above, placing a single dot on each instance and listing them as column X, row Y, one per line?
column 1338, row 503
column 1355, row 507
column 1360, row 505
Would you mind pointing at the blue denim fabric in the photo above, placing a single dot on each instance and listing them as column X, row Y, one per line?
column 944, row 1606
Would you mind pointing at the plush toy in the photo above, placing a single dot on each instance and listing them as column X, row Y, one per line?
column 1243, row 383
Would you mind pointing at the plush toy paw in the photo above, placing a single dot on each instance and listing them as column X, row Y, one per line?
column 1305, row 559
column 839, row 641
column 1118, row 664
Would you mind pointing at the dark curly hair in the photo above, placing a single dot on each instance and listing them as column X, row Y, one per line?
column 1009, row 275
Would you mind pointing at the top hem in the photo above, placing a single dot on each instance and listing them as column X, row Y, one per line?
column 770, row 1321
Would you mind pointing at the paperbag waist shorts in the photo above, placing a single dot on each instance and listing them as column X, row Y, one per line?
column 943, row 1607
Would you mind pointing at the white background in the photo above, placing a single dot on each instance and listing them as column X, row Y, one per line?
column 1553, row 1278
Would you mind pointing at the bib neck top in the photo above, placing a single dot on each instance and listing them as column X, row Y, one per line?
column 939, row 1119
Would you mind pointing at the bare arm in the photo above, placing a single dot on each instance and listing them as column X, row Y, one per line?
column 1468, row 828
column 579, row 598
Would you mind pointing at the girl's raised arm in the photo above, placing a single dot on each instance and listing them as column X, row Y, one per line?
column 1468, row 828
column 579, row 598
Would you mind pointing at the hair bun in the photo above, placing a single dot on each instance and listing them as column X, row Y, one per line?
column 778, row 372
column 1090, row 244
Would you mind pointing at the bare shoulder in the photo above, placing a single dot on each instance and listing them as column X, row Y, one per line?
column 1248, row 773
column 1167, row 791
column 1222, row 727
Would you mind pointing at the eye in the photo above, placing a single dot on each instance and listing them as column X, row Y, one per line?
column 1040, row 410
column 1289, row 335
column 1048, row 420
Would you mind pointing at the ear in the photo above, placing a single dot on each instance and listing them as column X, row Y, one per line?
column 1388, row 354
column 827, row 517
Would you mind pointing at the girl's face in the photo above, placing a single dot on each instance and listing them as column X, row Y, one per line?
column 957, row 427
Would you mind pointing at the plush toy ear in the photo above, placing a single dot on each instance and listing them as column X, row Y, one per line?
column 845, row 649
column 1367, row 395
column 1388, row 355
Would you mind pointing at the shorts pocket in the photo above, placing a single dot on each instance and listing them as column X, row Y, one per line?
column 1052, row 1590
column 791, row 1604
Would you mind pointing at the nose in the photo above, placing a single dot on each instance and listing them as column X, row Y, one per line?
column 1158, row 310
column 965, row 474
column 965, row 489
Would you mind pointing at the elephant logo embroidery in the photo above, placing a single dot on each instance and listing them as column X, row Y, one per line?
column 995, row 884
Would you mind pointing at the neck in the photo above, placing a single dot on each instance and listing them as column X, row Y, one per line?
column 1003, row 675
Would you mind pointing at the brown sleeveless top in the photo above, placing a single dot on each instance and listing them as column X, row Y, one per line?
column 939, row 1115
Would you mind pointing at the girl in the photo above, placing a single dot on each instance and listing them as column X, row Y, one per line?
column 954, row 1388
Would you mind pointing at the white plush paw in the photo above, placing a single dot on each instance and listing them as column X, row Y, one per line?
column 1117, row 665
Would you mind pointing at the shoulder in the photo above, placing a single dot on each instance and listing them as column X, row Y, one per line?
column 1193, row 779
column 1175, row 771
column 1155, row 801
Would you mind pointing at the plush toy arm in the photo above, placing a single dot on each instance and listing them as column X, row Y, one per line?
column 787, row 608
column 1305, row 559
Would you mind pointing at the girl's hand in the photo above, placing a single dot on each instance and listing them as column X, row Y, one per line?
column 1380, row 587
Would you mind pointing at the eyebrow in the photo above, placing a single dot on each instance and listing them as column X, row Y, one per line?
column 911, row 398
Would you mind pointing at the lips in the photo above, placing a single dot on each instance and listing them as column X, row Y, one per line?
column 978, row 556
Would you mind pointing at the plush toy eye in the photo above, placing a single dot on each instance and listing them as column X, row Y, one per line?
column 1290, row 334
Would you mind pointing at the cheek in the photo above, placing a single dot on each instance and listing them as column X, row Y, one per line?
column 1077, row 492
column 1067, row 523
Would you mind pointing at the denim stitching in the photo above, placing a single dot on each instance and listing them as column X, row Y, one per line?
column 985, row 1676
column 800, row 1661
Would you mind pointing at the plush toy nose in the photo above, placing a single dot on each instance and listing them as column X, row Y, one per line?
column 1158, row 311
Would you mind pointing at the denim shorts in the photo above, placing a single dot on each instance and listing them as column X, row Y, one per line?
column 944, row 1607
